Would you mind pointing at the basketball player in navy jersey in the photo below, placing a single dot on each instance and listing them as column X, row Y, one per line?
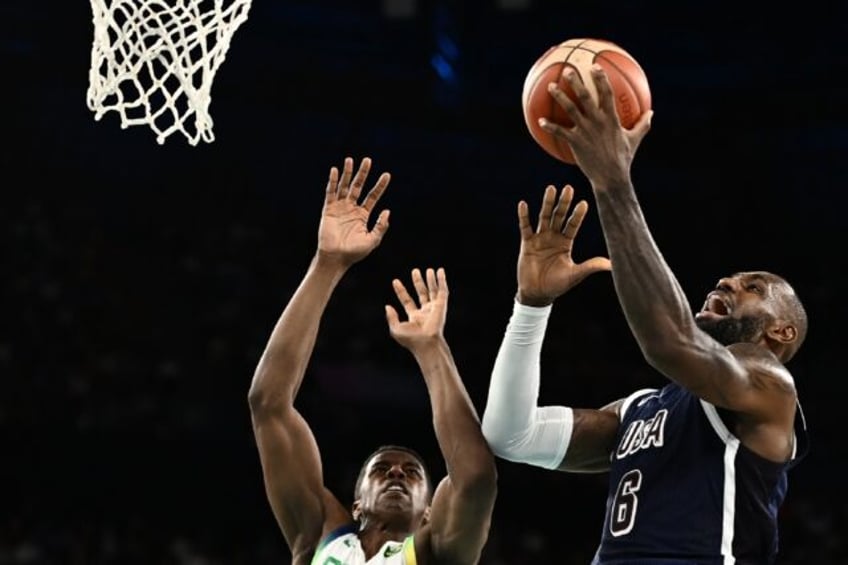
column 395, row 519
column 698, row 468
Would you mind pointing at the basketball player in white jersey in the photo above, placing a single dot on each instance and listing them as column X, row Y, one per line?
column 396, row 518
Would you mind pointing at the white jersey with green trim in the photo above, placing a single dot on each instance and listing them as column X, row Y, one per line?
column 342, row 547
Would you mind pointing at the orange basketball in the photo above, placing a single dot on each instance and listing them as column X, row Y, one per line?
column 629, row 84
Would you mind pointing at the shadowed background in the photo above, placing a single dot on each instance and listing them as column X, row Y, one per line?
column 141, row 282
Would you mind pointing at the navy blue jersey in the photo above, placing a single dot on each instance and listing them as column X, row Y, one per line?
column 684, row 490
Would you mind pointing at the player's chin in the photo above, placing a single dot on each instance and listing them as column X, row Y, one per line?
column 706, row 319
column 396, row 506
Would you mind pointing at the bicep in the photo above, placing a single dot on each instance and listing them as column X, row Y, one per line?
column 592, row 439
column 293, row 478
column 459, row 523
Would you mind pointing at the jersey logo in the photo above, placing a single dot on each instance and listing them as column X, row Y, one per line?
column 643, row 434
column 391, row 550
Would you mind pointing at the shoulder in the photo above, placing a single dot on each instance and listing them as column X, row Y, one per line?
column 764, row 369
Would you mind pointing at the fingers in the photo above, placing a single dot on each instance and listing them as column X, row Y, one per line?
column 547, row 210
column 405, row 299
column 381, row 226
column 524, row 221
column 640, row 128
column 437, row 284
column 582, row 96
column 565, row 198
column 359, row 179
column 606, row 98
column 597, row 264
column 344, row 183
column 432, row 285
column 330, row 193
column 575, row 220
column 442, row 280
column 375, row 193
column 553, row 212
column 429, row 287
column 420, row 287
column 349, row 186
column 554, row 129
column 392, row 317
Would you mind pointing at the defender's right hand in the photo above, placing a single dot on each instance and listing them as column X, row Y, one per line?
column 546, row 269
column 343, row 235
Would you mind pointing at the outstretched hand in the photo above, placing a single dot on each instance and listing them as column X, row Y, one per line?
column 343, row 234
column 602, row 147
column 426, row 318
column 546, row 268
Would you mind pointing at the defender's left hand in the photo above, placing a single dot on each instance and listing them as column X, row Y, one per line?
column 425, row 319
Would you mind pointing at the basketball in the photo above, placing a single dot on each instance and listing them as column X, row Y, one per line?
column 628, row 80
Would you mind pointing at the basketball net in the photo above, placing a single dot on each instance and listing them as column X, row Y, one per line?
column 153, row 61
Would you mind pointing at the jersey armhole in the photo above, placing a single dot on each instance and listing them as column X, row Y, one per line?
column 801, row 445
column 334, row 534
column 633, row 397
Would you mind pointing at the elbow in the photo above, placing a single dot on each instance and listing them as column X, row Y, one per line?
column 498, row 441
column 256, row 396
column 264, row 401
column 488, row 474
column 504, row 441
column 255, row 399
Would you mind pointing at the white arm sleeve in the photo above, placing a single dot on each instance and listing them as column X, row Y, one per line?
column 516, row 428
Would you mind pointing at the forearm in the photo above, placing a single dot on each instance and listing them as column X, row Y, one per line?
column 514, row 426
column 467, row 455
column 653, row 302
column 282, row 365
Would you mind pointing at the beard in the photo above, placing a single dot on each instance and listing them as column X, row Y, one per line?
column 728, row 331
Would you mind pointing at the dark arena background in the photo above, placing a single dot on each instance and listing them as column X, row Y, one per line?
column 141, row 281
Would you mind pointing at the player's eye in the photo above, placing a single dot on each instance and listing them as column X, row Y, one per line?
column 755, row 288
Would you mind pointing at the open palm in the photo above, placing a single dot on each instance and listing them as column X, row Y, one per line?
column 343, row 232
column 426, row 318
column 546, row 268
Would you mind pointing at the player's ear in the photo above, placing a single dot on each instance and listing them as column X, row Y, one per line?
column 356, row 510
column 782, row 332
column 427, row 514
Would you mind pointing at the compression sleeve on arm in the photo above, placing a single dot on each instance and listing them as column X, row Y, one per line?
column 516, row 428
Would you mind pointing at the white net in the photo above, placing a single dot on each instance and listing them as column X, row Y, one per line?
column 153, row 61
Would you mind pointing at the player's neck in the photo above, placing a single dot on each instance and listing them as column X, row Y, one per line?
column 374, row 533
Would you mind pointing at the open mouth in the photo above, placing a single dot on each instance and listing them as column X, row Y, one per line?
column 716, row 304
column 396, row 488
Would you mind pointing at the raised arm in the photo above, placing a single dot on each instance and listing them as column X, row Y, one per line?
column 291, row 463
column 461, row 510
column 552, row 437
column 657, row 310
